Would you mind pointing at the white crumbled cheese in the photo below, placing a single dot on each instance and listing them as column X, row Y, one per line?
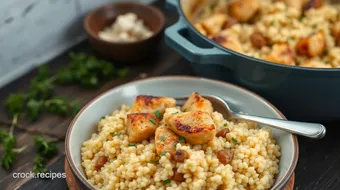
column 126, row 28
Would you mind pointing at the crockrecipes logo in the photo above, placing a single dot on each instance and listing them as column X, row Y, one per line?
column 47, row 175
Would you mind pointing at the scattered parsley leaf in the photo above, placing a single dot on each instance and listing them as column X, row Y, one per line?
column 158, row 114
column 175, row 113
column 45, row 148
column 154, row 161
column 123, row 72
column 325, row 51
column 301, row 18
column 65, row 76
column 39, row 164
column 163, row 153
column 226, row 124
column 165, row 182
column 117, row 133
column 34, row 109
column 314, row 26
column 75, row 108
column 103, row 117
column 234, row 140
column 57, row 106
column 184, row 110
column 15, row 104
column 132, row 144
column 226, row 148
column 162, row 138
column 152, row 121
column 181, row 139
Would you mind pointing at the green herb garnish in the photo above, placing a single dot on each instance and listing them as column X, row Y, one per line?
column 9, row 141
column 163, row 153
column 234, row 140
column 226, row 124
column 162, row 138
column 325, row 51
column 117, row 133
column 301, row 18
column 152, row 121
column 158, row 114
column 226, row 148
column 175, row 145
column 46, row 150
column 132, row 144
column 181, row 139
column 154, row 161
column 184, row 110
column 314, row 26
column 165, row 182
column 175, row 113
column 103, row 117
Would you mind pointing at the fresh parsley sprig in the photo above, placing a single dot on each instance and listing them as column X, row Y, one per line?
column 46, row 150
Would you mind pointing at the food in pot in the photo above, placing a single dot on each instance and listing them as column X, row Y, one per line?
column 291, row 32
column 127, row 28
column 156, row 145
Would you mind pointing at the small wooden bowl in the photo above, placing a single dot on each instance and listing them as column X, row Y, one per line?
column 104, row 16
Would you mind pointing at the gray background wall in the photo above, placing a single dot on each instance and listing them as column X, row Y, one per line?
column 34, row 31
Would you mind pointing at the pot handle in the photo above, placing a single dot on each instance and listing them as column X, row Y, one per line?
column 172, row 5
column 189, row 50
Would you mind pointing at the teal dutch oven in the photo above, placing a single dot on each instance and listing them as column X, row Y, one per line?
column 306, row 94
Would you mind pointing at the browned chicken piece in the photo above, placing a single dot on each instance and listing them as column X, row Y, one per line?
column 312, row 46
column 336, row 33
column 196, row 127
column 281, row 53
column 258, row 40
column 151, row 104
column 243, row 10
column 196, row 102
column 313, row 4
column 214, row 24
column 200, row 28
column 228, row 41
column 141, row 126
column 165, row 141
column 315, row 64
column 230, row 22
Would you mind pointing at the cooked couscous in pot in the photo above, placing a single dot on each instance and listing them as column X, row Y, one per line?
column 292, row 32
column 156, row 145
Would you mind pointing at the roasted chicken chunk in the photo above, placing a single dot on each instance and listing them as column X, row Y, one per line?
column 243, row 10
column 165, row 141
column 228, row 40
column 214, row 24
column 281, row 53
column 196, row 127
column 141, row 126
column 312, row 46
column 151, row 104
column 196, row 102
column 336, row 33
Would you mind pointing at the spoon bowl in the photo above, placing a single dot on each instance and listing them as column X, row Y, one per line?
column 311, row 130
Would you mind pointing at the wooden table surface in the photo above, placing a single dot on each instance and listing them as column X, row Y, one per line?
column 319, row 162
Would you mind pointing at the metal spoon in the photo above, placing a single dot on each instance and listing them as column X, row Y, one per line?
column 311, row 130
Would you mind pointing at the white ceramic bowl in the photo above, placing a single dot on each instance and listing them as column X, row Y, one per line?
column 239, row 99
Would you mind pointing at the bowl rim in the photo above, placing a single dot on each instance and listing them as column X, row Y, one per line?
column 80, row 177
column 154, row 9
column 210, row 41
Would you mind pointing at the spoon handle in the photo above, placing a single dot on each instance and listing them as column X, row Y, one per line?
column 312, row 130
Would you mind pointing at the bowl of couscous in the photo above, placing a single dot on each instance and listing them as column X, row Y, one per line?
column 136, row 136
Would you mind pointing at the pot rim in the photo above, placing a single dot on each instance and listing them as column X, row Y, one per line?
column 289, row 67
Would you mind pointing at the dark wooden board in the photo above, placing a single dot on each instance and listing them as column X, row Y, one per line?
column 318, row 167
